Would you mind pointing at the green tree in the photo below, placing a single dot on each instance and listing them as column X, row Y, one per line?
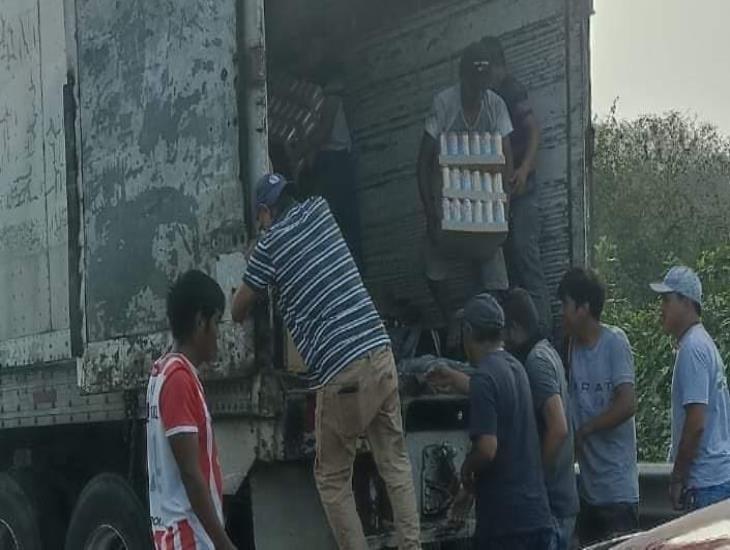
column 661, row 193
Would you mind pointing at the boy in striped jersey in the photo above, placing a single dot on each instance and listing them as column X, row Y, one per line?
column 184, row 475
column 341, row 338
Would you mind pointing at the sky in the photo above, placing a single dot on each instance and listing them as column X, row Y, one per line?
column 662, row 55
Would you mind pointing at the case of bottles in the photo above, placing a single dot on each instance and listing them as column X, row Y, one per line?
column 473, row 197
column 294, row 111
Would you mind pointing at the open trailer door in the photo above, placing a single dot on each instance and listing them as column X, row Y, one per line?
column 160, row 161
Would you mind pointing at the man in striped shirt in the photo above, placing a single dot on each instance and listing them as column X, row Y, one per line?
column 341, row 338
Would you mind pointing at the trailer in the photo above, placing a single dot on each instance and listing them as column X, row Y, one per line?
column 130, row 137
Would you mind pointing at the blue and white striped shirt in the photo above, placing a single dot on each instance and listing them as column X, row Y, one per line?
column 320, row 294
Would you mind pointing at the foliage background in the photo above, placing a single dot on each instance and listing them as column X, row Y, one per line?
column 661, row 196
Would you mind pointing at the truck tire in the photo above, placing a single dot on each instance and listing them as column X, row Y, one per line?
column 108, row 515
column 48, row 501
column 19, row 528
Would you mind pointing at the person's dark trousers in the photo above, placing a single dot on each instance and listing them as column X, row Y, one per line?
column 524, row 265
column 543, row 539
column 599, row 523
column 335, row 174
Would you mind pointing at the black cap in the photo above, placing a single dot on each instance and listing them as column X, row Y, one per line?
column 268, row 189
column 493, row 50
column 475, row 57
column 483, row 312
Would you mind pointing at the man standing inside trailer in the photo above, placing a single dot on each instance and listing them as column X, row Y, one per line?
column 343, row 341
column 465, row 107
column 524, row 264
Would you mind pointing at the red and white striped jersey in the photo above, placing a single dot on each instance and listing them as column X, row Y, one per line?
column 176, row 404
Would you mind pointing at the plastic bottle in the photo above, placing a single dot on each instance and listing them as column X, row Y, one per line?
column 488, row 214
column 453, row 143
column 478, row 209
column 455, row 210
column 498, row 202
column 486, row 143
column 467, row 216
column 446, row 177
column 464, row 144
column 477, row 183
column 499, row 211
column 455, row 182
column 446, row 208
column 497, row 145
column 475, row 144
column 444, row 144
column 487, row 183
column 466, row 183
column 497, row 183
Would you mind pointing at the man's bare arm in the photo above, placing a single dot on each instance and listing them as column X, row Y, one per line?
column 426, row 159
column 556, row 430
column 447, row 380
column 243, row 302
column 185, row 449
column 533, row 144
column 694, row 427
column 483, row 452
column 509, row 159
column 623, row 407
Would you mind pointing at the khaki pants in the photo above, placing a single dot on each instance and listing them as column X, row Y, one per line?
column 363, row 399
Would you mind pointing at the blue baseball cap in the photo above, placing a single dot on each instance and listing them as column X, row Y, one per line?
column 483, row 312
column 683, row 281
column 268, row 189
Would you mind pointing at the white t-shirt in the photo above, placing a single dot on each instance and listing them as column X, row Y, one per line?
column 340, row 139
column 447, row 115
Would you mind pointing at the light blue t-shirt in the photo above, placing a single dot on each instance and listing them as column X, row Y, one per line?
column 608, row 470
column 699, row 377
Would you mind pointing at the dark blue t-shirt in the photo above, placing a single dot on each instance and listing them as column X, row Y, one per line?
column 510, row 493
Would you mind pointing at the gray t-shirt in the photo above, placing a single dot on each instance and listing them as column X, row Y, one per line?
column 547, row 378
column 699, row 377
column 608, row 470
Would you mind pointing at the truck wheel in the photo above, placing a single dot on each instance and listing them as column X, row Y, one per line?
column 18, row 522
column 48, row 501
column 108, row 516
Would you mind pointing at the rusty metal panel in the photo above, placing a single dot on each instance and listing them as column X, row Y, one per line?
column 159, row 144
column 160, row 172
column 49, row 396
column 33, row 234
column 35, row 348
column 392, row 78
column 122, row 363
